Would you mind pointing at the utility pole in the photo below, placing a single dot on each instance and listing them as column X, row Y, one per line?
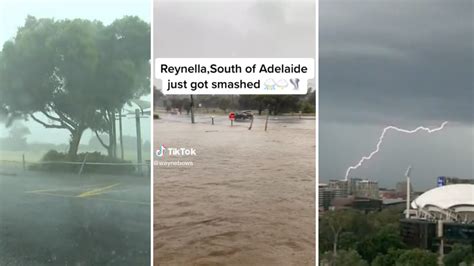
column 114, row 135
column 440, row 235
column 407, row 174
column 192, row 109
column 268, row 116
column 251, row 123
column 120, row 134
column 139, row 141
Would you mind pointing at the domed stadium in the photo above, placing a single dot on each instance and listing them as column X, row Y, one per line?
column 453, row 203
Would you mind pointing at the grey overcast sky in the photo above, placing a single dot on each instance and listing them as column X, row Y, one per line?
column 226, row 28
column 403, row 63
column 14, row 12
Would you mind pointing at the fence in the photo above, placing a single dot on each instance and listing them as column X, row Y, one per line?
column 12, row 167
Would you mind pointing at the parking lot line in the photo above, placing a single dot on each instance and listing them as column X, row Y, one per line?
column 91, row 198
column 96, row 191
column 59, row 189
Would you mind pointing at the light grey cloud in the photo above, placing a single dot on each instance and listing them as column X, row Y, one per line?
column 234, row 29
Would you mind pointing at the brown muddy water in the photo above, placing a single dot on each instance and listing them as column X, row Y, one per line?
column 248, row 198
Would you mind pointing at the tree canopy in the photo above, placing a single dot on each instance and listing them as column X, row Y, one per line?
column 72, row 74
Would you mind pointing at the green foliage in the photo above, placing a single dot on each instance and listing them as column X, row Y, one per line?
column 406, row 257
column 388, row 259
column 459, row 254
column 53, row 161
column 371, row 235
column 343, row 258
column 348, row 240
column 386, row 217
column 278, row 104
column 375, row 238
column 417, row 257
column 74, row 72
column 224, row 104
column 384, row 239
column 307, row 108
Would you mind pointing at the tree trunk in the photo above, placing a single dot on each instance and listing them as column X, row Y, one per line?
column 110, row 150
column 74, row 143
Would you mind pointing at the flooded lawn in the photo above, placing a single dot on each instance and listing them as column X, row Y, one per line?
column 247, row 198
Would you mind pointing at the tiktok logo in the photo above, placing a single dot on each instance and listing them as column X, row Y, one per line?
column 161, row 151
column 174, row 152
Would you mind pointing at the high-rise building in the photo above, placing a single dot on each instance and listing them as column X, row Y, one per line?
column 366, row 189
column 352, row 185
column 340, row 188
column 326, row 195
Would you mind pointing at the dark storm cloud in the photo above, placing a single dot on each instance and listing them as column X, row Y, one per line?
column 402, row 63
column 396, row 60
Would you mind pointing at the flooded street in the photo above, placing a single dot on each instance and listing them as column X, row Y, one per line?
column 247, row 198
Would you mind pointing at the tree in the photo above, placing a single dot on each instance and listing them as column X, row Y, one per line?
column 459, row 254
column 46, row 72
column 122, row 72
column 385, row 239
column 336, row 222
column 157, row 96
column 417, row 257
column 73, row 74
column 225, row 103
column 388, row 259
column 16, row 139
column 343, row 258
column 308, row 103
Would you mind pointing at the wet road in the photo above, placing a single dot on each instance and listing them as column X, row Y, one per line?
column 247, row 199
column 65, row 219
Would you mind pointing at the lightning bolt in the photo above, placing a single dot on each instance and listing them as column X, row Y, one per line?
column 379, row 143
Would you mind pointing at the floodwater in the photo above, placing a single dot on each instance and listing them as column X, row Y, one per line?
column 248, row 198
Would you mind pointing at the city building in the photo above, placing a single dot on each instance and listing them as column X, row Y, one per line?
column 388, row 194
column 440, row 217
column 339, row 187
column 351, row 185
column 325, row 197
column 359, row 203
column 366, row 189
column 358, row 187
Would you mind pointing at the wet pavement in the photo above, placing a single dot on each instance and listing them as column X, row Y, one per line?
column 67, row 219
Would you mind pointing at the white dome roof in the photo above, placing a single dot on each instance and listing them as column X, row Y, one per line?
column 447, row 197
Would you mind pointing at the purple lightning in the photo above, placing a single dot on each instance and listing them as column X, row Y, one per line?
column 365, row 158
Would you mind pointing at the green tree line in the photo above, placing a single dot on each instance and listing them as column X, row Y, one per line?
column 276, row 104
column 350, row 237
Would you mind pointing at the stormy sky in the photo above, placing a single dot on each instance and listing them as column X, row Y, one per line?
column 227, row 28
column 403, row 63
